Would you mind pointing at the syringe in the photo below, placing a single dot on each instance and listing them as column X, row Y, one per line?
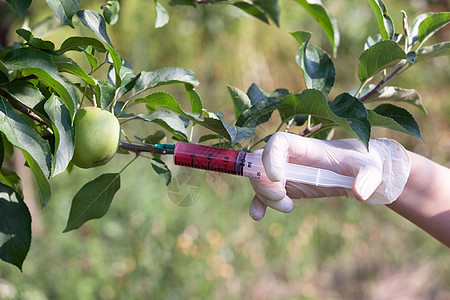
column 249, row 165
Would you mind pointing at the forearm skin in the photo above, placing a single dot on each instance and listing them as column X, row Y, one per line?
column 425, row 200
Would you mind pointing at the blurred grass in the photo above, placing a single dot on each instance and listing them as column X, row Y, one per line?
column 148, row 248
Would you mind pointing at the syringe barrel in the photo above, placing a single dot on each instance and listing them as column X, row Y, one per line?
column 209, row 158
column 250, row 165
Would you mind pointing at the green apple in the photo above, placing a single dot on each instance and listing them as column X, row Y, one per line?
column 97, row 134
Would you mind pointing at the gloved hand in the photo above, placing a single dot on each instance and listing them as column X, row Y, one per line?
column 381, row 173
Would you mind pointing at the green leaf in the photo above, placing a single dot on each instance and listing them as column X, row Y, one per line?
column 93, row 61
column 252, row 10
column 12, row 179
column 148, row 80
column 24, row 92
column 383, row 19
column 271, row 8
column 155, row 138
column 93, row 200
column 436, row 50
column 431, row 24
column 19, row 6
column 208, row 137
column 95, row 22
column 317, row 67
column 25, row 34
column 168, row 120
column 235, row 134
column 78, row 43
column 106, row 92
column 167, row 101
column 414, row 28
column 240, row 100
column 35, row 149
column 397, row 94
column 378, row 57
column 65, row 64
column 162, row 16
column 194, row 100
column 372, row 40
column 111, row 11
column 40, row 64
column 395, row 118
column 15, row 227
column 313, row 102
column 64, row 135
column 256, row 111
column 64, row 10
column 326, row 20
column 350, row 108
column 182, row 2
column 162, row 170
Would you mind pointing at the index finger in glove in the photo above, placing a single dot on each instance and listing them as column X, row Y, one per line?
column 283, row 145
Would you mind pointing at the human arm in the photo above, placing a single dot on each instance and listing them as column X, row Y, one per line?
column 425, row 200
column 388, row 173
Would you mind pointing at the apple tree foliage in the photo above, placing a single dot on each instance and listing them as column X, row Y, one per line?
column 38, row 102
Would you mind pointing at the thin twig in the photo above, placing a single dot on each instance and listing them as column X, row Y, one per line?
column 310, row 130
column 22, row 108
column 381, row 84
column 209, row 1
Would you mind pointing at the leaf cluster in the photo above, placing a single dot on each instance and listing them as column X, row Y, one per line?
column 42, row 88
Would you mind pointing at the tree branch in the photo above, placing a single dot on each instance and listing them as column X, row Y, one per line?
column 22, row 108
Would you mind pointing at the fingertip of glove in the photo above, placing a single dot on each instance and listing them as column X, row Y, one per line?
column 257, row 209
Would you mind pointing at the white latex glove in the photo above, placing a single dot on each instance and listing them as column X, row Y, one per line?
column 381, row 173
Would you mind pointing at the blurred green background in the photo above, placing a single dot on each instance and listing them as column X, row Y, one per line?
column 147, row 247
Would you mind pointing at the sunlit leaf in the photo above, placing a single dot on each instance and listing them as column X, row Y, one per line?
column 111, row 11
column 65, row 64
column 168, row 120
column 397, row 94
column 148, row 80
column 95, row 22
column 194, row 100
column 64, row 10
column 383, row 19
column 317, row 67
column 240, row 100
column 93, row 200
column 326, row 20
column 436, row 50
column 378, row 57
column 162, row 16
column 431, row 24
column 78, row 43
column 40, row 64
column 64, row 136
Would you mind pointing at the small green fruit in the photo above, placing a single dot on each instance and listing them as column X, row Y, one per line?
column 97, row 134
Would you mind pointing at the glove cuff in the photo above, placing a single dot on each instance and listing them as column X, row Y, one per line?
column 396, row 165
